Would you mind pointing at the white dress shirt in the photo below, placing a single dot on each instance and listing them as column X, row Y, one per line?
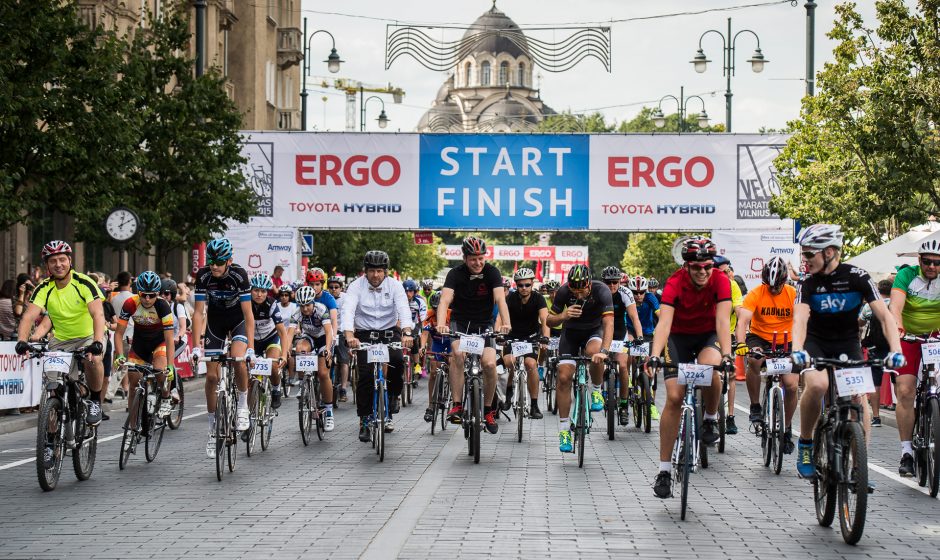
column 381, row 308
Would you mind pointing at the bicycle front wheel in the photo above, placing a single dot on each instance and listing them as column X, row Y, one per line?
column 86, row 445
column 407, row 386
column 779, row 430
column 231, row 442
column 380, row 424
column 933, row 447
column 305, row 415
column 824, row 488
column 688, row 441
column 49, row 477
column 267, row 419
column 176, row 413
column 610, row 406
column 476, row 428
column 722, row 417
column 581, row 429
column 853, row 488
column 222, row 423
column 254, row 419
column 550, row 390
column 522, row 387
column 153, row 435
column 647, row 402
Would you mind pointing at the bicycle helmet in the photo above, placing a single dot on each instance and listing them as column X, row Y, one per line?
column 305, row 295
column 930, row 247
column 552, row 285
column 55, row 248
column 434, row 300
column 375, row 259
column 579, row 276
column 427, row 284
column 219, row 250
column 698, row 248
column 820, row 236
column 774, row 273
column 507, row 283
column 720, row 260
column 638, row 284
column 473, row 246
column 148, row 281
column 653, row 283
column 611, row 273
column 523, row 274
column 410, row 285
column 285, row 288
column 261, row 281
column 315, row 275
column 336, row 279
column 168, row 286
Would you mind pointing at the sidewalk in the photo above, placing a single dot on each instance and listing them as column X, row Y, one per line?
column 10, row 424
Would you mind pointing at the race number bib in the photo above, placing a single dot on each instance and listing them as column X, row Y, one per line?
column 378, row 354
column 60, row 362
column 616, row 346
column 521, row 348
column 642, row 350
column 930, row 352
column 307, row 363
column 695, row 374
column 854, row 381
column 553, row 343
column 472, row 344
column 262, row 367
column 778, row 366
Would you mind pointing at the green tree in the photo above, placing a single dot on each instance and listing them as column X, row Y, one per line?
column 569, row 122
column 643, row 122
column 342, row 251
column 865, row 152
column 650, row 255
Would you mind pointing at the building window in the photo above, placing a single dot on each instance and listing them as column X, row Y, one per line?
column 272, row 11
column 521, row 74
column 269, row 81
column 467, row 72
column 503, row 73
column 485, row 73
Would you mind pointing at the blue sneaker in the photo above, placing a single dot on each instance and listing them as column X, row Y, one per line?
column 564, row 442
column 597, row 401
column 804, row 460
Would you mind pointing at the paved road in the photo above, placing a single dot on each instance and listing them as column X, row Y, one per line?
column 428, row 500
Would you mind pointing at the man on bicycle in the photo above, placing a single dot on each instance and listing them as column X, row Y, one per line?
column 529, row 315
column 915, row 305
column 222, row 311
column 437, row 345
column 271, row 340
column 624, row 307
column 335, row 285
column 419, row 312
column 585, row 310
column 694, row 325
column 470, row 292
column 375, row 305
column 312, row 333
column 825, row 325
column 153, row 340
column 316, row 278
column 647, row 309
column 766, row 318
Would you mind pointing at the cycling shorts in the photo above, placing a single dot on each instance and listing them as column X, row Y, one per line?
column 832, row 349
column 262, row 346
column 911, row 351
column 685, row 348
column 573, row 341
column 220, row 329
column 754, row 341
column 145, row 348
column 316, row 343
column 473, row 328
column 534, row 354
column 440, row 345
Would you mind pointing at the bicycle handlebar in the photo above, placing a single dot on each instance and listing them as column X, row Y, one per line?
column 916, row 338
column 844, row 363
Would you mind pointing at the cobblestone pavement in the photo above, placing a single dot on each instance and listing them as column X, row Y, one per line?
column 333, row 499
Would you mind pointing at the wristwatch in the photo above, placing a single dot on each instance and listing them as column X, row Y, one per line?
column 605, row 351
column 406, row 332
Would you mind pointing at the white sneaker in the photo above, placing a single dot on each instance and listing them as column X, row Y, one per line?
column 328, row 423
column 165, row 408
column 389, row 427
column 243, row 419
column 210, row 446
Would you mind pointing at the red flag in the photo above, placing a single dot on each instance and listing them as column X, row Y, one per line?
column 538, row 270
column 515, row 267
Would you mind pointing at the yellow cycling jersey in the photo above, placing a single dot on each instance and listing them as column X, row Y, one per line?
column 68, row 307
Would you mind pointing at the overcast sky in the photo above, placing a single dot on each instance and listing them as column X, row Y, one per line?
column 650, row 58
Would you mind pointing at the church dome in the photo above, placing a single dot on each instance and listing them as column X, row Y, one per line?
column 513, row 44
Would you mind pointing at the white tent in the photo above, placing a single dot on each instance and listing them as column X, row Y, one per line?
column 883, row 260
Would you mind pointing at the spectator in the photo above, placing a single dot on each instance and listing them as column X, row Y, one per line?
column 24, row 289
column 873, row 339
column 276, row 277
column 120, row 294
column 7, row 315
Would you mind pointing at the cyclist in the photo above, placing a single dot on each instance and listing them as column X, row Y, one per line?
column 439, row 346
column 312, row 333
column 427, row 288
column 647, row 309
column 335, row 285
column 825, row 324
column 654, row 288
column 723, row 265
column 375, row 305
column 915, row 305
column 419, row 312
column 528, row 314
column 585, row 309
column 79, row 322
column 624, row 307
column 223, row 310
column 271, row 340
column 470, row 292
column 693, row 325
column 765, row 315
column 316, row 279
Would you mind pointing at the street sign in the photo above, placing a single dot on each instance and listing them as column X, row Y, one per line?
column 424, row 238
column 306, row 249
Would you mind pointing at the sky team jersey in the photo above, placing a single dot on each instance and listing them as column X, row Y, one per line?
column 598, row 303
column 647, row 312
column 68, row 307
column 267, row 317
column 834, row 301
column 224, row 294
column 312, row 325
column 921, row 313
column 772, row 313
column 695, row 308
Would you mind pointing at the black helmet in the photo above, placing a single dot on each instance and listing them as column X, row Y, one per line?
column 168, row 286
column 473, row 246
column 434, row 300
column 375, row 259
column 611, row 273
column 579, row 276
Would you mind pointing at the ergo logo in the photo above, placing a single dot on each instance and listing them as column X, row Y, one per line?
column 636, row 171
column 356, row 171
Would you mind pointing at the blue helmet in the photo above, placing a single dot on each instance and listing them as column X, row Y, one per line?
column 148, row 281
column 262, row 281
column 219, row 249
column 410, row 285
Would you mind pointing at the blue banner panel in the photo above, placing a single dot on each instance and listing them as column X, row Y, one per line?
column 503, row 181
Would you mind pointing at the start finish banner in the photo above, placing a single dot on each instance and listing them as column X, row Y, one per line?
column 604, row 182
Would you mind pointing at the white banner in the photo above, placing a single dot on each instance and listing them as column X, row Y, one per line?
column 20, row 381
column 749, row 250
column 570, row 253
column 260, row 249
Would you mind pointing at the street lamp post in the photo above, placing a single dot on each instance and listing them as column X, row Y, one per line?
column 659, row 119
column 700, row 61
column 383, row 119
column 333, row 62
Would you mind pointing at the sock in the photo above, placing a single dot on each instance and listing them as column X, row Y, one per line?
column 95, row 396
column 711, row 416
column 535, row 403
column 806, row 441
column 564, row 424
column 329, row 408
column 665, row 466
column 486, row 410
column 242, row 399
column 211, row 419
column 730, row 417
column 906, row 448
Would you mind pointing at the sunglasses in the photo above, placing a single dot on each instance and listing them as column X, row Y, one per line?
column 611, row 282
column 929, row 262
column 148, row 295
column 809, row 254
column 636, row 293
column 335, row 287
column 523, row 285
column 216, row 263
column 706, row 267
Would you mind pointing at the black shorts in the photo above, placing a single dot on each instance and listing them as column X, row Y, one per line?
column 877, row 371
column 473, row 328
column 261, row 346
column 534, row 354
column 573, row 341
column 143, row 347
column 221, row 327
column 685, row 348
column 342, row 351
column 754, row 341
column 832, row 349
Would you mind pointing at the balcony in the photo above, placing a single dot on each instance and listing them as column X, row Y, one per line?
column 288, row 120
column 289, row 47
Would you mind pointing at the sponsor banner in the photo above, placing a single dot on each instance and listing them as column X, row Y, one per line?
column 504, row 181
column 689, row 182
column 749, row 250
column 573, row 253
column 508, row 252
column 539, row 253
column 260, row 249
column 323, row 180
column 19, row 378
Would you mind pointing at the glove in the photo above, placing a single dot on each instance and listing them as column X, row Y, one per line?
column 196, row 353
column 639, row 341
column 727, row 363
column 22, row 347
column 654, row 362
column 119, row 361
column 95, row 348
column 250, row 355
column 740, row 349
column 895, row 360
column 800, row 358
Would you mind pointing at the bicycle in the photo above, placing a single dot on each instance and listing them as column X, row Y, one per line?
column 581, row 419
column 62, row 416
column 143, row 422
column 520, row 408
column 772, row 428
column 840, row 455
column 407, row 378
column 175, row 419
column 226, row 403
column 259, row 402
column 551, row 375
column 611, row 388
column 309, row 412
column 926, row 441
column 378, row 354
column 640, row 394
column 473, row 345
column 724, row 376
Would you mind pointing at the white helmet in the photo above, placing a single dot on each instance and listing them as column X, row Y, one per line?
column 929, row 247
column 820, row 236
column 523, row 274
column 638, row 284
column 305, row 295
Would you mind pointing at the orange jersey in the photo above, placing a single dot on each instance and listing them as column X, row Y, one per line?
column 432, row 318
column 772, row 313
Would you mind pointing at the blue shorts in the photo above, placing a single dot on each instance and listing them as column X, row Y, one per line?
column 440, row 345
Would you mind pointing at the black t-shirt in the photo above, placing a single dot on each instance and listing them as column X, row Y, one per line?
column 223, row 295
column 524, row 317
column 598, row 303
column 835, row 300
column 473, row 293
